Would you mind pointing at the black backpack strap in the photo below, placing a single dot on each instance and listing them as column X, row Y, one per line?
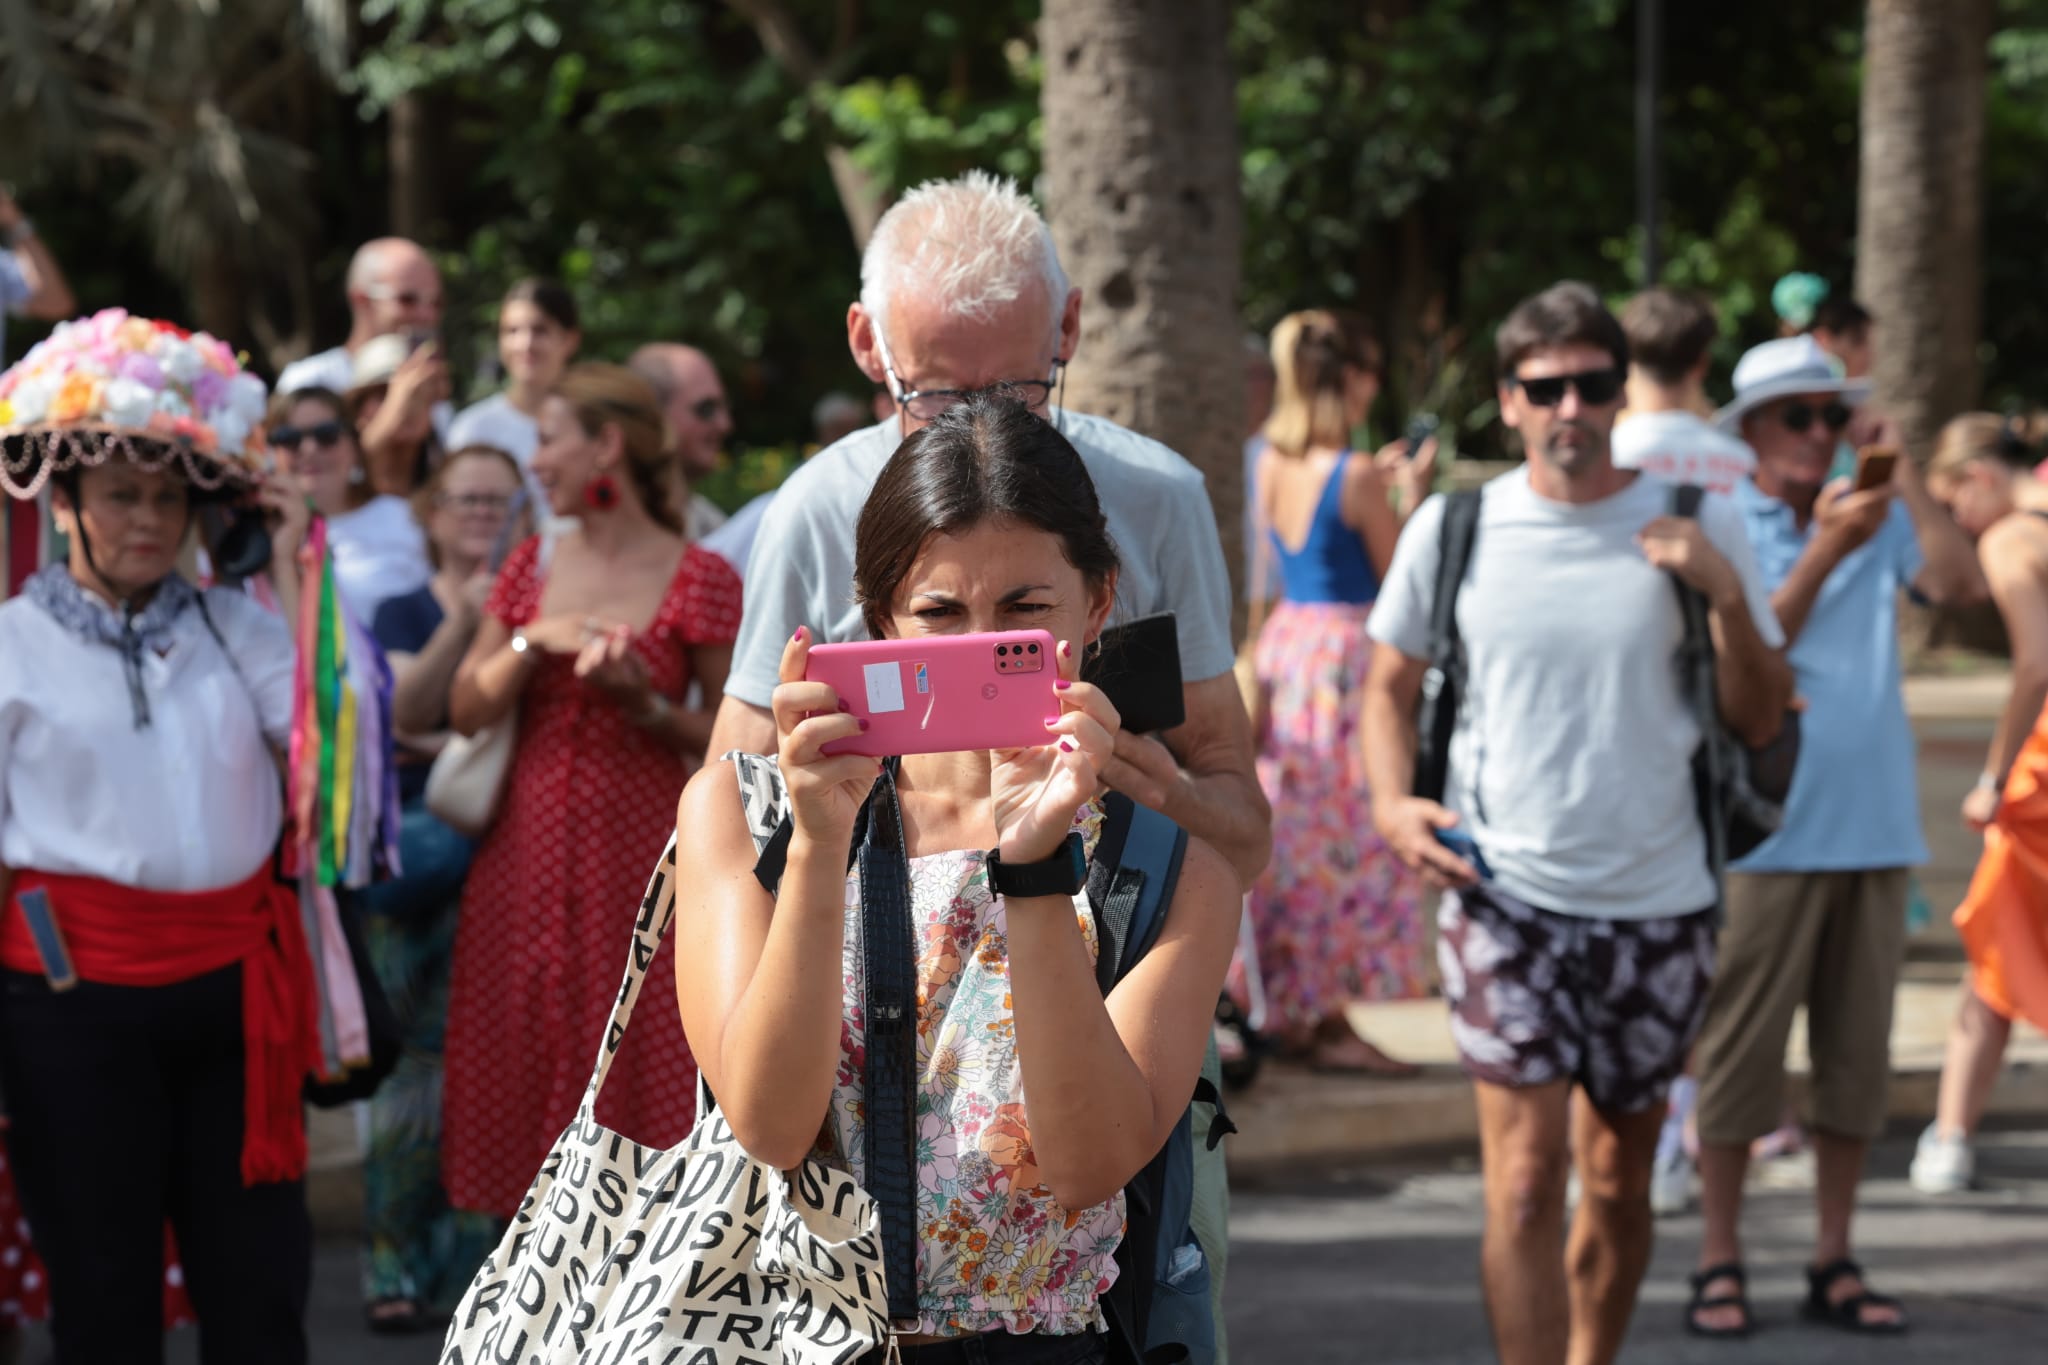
column 1696, row 665
column 1131, row 882
column 1443, row 683
column 889, row 1008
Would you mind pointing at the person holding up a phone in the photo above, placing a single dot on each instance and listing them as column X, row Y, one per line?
column 1336, row 916
column 32, row 284
column 1816, row 916
column 1038, row 1097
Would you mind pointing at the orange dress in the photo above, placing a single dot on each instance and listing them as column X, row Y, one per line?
column 2004, row 918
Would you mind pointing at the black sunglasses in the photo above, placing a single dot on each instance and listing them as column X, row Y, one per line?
column 1799, row 417
column 323, row 434
column 1595, row 387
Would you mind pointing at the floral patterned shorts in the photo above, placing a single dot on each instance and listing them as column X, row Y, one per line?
column 1538, row 997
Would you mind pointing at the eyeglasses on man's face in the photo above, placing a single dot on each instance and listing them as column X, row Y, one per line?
column 1798, row 418
column 925, row 405
column 1596, row 388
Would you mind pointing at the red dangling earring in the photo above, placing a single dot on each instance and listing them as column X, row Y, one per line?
column 601, row 493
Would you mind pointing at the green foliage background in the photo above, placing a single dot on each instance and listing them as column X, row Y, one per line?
column 1427, row 163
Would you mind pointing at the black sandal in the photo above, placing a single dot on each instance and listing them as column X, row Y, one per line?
column 1847, row 1315
column 1731, row 1270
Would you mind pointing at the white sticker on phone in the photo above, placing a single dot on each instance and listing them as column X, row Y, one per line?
column 885, row 687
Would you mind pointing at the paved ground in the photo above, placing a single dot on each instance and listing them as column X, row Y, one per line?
column 1381, row 1266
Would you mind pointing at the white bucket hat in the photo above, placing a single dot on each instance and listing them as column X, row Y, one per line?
column 1779, row 369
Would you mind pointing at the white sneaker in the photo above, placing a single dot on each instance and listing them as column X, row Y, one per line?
column 1671, row 1186
column 1942, row 1165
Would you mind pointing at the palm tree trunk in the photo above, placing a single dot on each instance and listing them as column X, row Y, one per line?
column 1920, row 240
column 1142, row 189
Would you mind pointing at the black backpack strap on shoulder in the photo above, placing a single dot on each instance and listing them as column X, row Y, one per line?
column 1131, row 882
column 1696, row 674
column 889, row 1009
column 1444, row 682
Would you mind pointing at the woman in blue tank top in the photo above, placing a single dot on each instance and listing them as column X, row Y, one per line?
column 1336, row 916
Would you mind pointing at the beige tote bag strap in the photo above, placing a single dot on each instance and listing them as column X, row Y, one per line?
column 657, row 912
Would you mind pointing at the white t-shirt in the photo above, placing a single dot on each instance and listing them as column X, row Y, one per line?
column 1571, row 763
column 733, row 542
column 189, row 803
column 801, row 570
column 380, row 553
column 1682, row 447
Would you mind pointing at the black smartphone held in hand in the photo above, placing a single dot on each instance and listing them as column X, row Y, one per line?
column 1137, row 666
column 1420, row 428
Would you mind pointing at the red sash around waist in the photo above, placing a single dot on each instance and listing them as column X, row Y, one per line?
column 124, row 936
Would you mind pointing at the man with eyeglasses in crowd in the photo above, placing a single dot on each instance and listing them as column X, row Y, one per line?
column 1816, row 916
column 1577, row 950
column 961, row 291
column 699, row 419
column 393, row 288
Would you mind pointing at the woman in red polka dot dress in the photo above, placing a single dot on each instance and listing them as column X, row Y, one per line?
column 592, row 647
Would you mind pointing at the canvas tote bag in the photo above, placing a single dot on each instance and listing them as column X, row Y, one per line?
column 699, row 1255
column 466, row 784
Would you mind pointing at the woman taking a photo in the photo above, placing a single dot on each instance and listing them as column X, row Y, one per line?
column 1336, row 917
column 378, row 549
column 157, row 1011
column 591, row 659
column 539, row 330
column 1037, row 1099
column 1982, row 471
column 418, row 1252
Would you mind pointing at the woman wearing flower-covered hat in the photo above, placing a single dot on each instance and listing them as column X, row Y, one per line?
column 157, row 998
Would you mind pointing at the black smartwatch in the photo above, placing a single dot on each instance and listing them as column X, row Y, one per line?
column 1063, row 874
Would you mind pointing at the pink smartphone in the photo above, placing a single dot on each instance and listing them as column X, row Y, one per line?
column 943, row 693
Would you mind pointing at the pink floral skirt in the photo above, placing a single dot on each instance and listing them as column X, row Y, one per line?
column 1336, row 917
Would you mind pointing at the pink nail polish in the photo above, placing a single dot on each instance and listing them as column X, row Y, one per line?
column 1062, row 685
column 1066, row 747
column 863, row 725
column 798, row 637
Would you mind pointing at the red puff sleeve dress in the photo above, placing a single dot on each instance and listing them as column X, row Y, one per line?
column 548, row 912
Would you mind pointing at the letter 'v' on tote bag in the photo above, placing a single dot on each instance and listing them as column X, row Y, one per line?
column 700, row 1254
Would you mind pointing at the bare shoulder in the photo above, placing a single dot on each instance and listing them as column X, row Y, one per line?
column 711, row 821
column 1208, row 891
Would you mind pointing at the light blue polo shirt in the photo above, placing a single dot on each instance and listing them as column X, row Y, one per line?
column 1855, row 800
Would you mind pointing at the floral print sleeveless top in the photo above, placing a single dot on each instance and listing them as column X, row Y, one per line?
column 995, row 1252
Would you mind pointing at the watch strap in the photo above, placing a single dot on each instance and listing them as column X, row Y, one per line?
column 1063, row 874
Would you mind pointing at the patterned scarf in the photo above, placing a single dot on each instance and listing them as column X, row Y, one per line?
column 129, row 633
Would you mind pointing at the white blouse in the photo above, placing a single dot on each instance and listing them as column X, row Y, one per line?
column 380, row 553
column 191, row 802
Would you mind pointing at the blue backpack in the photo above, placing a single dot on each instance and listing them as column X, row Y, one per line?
column 1159, row 1308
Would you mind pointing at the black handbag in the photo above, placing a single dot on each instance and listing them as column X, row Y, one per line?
column 386, row 1042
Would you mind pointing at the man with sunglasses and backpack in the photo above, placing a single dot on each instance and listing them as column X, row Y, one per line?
column 1816, row 915
column 1577, row 937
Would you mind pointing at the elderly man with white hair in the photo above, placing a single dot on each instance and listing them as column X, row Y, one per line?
column 962, row 291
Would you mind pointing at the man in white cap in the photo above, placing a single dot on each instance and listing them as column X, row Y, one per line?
column 1816, row 915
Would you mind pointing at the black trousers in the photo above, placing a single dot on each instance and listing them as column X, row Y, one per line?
column 125, row 1108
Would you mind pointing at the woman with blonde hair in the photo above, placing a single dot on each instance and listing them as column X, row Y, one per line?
column 1980, row 471
column 1336, row 916
column 591, row 657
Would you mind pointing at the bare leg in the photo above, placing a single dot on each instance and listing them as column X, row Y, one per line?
column 1838, row 1169
column 1976, row 1050
column 1723, row 1168
column 1522, row 1152
column 1338, row 1046
column 1611, row 1233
